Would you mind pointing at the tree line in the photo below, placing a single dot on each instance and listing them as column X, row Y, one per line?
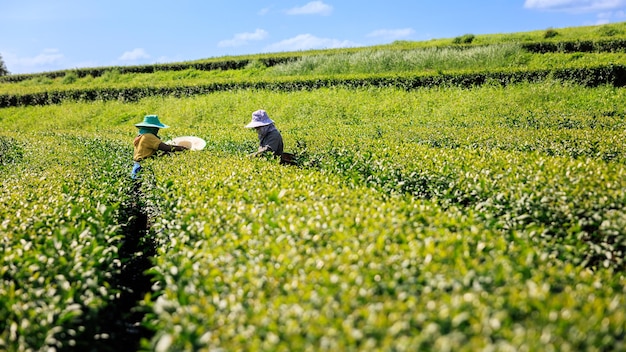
column 3, row 67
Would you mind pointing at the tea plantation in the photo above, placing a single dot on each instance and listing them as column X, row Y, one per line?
column 461, row 207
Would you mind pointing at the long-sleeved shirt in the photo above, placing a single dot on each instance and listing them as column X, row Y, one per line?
column 274, row 140
column 146, row 145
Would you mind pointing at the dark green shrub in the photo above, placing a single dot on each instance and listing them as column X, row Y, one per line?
column 550, row 33
column 464, row 39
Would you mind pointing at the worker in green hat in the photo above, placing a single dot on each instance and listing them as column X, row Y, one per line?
column 147, row 143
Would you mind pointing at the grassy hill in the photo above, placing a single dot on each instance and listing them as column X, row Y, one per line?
column 586, row 55
column 454, row 194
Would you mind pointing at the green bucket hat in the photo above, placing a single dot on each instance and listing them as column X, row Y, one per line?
column 151, row 121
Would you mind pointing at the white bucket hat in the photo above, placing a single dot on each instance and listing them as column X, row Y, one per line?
column 191, row 142
column 259, row 118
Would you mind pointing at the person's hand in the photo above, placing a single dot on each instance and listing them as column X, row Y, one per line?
column 179, row 148
column 255, row 154
column 260, row 151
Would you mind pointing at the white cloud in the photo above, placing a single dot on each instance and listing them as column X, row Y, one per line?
column 307, row 42
column 48, row 56
column 243, row 38
column 391, row 34
column 574, row 6
column 47, row 60
column 134, row 55
column 312, row 8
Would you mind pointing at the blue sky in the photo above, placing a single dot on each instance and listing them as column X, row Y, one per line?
column 49, row 35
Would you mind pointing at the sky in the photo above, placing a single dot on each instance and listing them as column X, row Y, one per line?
column 50, row 35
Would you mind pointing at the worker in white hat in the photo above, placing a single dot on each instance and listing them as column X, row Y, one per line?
column 270, row 139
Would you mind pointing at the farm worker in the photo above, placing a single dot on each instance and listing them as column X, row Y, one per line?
column 147, row 143
column 270, row 139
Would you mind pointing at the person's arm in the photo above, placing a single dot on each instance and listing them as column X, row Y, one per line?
column 171, row 148
column 260, row 151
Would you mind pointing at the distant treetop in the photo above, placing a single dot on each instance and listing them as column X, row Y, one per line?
column 3, row 68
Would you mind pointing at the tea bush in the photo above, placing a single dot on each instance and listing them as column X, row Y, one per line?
column 254, row 255
column 60, row 236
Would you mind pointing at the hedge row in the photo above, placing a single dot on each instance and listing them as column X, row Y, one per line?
column 588, row 76
column 180, row 66
column 612, row 45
